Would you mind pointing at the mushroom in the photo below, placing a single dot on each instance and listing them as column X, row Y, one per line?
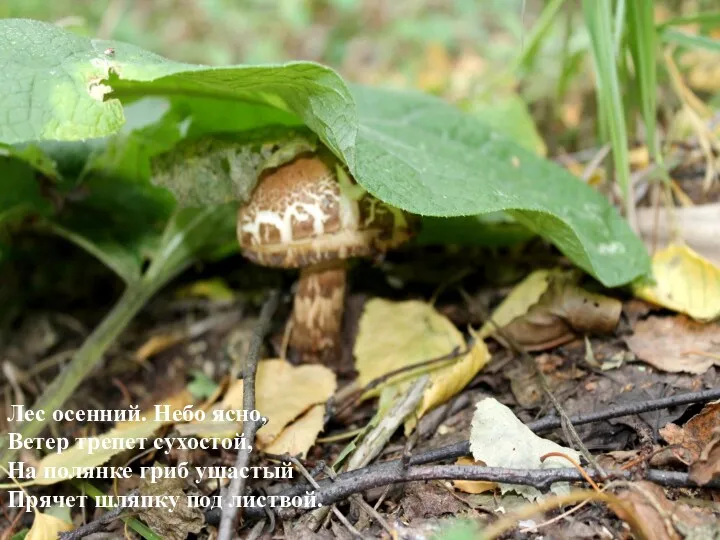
column 310, row 214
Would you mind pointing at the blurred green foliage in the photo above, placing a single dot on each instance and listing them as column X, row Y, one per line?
column 352, row 35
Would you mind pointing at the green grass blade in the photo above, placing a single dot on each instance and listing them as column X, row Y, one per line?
column 710, row 18
column 538, row 32
column 643, row 47
column 690, row 40
column 619, row 28
column 599, row 18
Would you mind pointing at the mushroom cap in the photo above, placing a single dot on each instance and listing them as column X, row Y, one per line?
column 300, row 215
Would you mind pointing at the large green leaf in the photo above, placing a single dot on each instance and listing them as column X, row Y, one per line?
column 56, row 85
column 424, row 155
column 409, row 149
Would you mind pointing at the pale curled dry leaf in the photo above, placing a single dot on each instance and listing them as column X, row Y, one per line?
column 548, row 309
column 499, row 439
column 685, row 282
column 394, row 335
column 676, row 344
column 283, row 394
column 47, row 527
column 299, row 436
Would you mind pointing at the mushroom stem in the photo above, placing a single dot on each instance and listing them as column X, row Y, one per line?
column 318, row 310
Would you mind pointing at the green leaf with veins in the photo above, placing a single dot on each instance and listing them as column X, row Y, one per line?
column 423, row 155
column 225, row 167
column 409, row 149
column 57, row 85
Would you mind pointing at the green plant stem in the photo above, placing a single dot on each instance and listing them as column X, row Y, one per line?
column 539, row 30
column 643, row 42
column 598, row 17
column 92, row 350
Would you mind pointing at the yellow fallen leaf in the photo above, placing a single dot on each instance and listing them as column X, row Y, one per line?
column 157, row 344
column 518, row 302
column 684, row 282
column 47, row 527
column 394, row 335
column 176, row 402
column 472, row 486
column 75, row 456
column 215, row 289
column 283, row 392
column 299, row 436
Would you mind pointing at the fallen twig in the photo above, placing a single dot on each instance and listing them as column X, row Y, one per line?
column 549, row 423
column 98, row 524
column 300, row 467
column 369, row 510
column 230, row 512
column 346, row 484
column 462, row 448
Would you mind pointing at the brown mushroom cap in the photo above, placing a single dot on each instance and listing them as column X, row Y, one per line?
column 299, row 215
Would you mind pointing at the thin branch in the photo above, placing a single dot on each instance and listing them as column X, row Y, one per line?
column 369, row 510
column 300, row 467
column 97, row 525
column 346, row 485
column 462, row 448
column 550, row 423
column 230, row 512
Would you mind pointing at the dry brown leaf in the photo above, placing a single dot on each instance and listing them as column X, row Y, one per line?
column 659, row 518
column 697, row 432
column 707, row 468
column 676, row 344
column 395, row 335
column 171, row 523
column 299, row 436
column 549, row 309
column 473, row 486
